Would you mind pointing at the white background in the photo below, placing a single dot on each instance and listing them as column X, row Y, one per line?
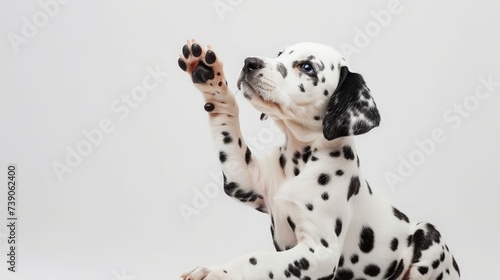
column 116, row 215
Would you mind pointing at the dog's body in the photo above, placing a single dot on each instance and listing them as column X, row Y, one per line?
column 326, row 220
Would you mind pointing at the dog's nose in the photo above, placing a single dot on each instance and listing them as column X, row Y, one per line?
column 252, row 63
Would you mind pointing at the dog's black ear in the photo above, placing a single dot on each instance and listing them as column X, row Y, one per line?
column 351, row 109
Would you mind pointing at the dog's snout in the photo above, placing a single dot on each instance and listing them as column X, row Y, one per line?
column 252, row 63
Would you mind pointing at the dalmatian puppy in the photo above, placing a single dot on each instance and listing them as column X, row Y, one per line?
column 327, row 222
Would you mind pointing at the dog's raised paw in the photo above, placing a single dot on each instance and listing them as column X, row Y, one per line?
column 202, row 64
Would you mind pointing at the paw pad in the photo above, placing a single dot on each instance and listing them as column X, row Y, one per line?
column 196, row 50
column 210, row 57
column 202, row 64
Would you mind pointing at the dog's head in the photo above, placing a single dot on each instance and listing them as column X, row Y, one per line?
column 310, row 85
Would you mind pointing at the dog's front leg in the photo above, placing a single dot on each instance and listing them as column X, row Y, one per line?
column 240, row 168
column 307, row 260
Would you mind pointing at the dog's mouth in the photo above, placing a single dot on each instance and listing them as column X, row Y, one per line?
column 255, row 96
column 250, row 91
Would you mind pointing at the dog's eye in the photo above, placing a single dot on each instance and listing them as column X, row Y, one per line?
column 307, row 68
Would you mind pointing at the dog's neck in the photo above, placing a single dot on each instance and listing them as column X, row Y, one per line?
column 302, row 139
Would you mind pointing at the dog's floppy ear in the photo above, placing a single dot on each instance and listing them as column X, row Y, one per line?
column 351, row 110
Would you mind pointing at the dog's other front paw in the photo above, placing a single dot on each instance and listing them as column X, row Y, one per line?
column 203, row 273
column 202, row 64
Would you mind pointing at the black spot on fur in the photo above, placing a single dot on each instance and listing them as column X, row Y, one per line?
column 394, row 244
column 227, row 138
column 338, row 227
column 335, row 154
column 354, row 187
column 440, row 276
column 344, row 274
column 366, row 240
column 239, row 142
column 317, row 118
column 323, row 179
column 325, row 196
column 282, row 69
column 324, row 243
column 301, row 87
column 222, row 157
column 423, row 240
column 230, row 187
column 296, row 171
column 276, row 246
column 394, row 270
column 313, row 158
column 304, row 264
column 400, row 215
column 423, row 270
column 248, row 156
column 325, row 92
column 253, row 261
column 296, row 157
column 291, row 223
column 306, row 155
column 410, row 240
column 341, row 261
column 233, row 189
column 371, row 270
column 354, row 259
column 348, row 153
column 339, row 172
column 435, row 264
column 309, row 206
column 271, row 275
column 282, row 161
column 455, row 265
